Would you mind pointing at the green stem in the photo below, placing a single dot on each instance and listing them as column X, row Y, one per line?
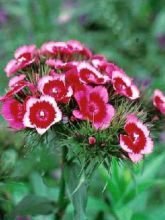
column 62, row 200
column 77, row 190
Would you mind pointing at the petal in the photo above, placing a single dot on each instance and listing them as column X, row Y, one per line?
column 160, row 94
column 11, row 67
column 126, row 79
column 135, row 157
column 102, row 92
column 89, row 74
column 124, row 142
column 144, row 128
column 24, row 49
column 77, row 114
column 43, row 81
column 132, row 118
column 110, row 112
column 75, row 45
column 13, row 81
column 111, row 67
column 135, row 92
column 10, row 110
column 149, row 147
column 57, row 64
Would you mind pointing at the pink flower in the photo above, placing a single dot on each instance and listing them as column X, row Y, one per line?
column 60, row 65
column 92, row 140
column 24, row 56
column 13, row 112
column 41, row 113
column 55, row 48
column 159, row 101
column 99, row 61
column 14, row 90
column 137, row 142
column 123, row 85
column 76, row 47
column 109, row 68
column 89, row 75
column 56, row 64
column 16, row 80
column 93, row 105
column 56, row 87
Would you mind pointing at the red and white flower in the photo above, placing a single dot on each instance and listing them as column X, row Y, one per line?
column 60, row 65
column 90, row 75
column 16, row 80
column 93, row 106
column 13, row 113
column 98, row 61
column 109, row 68
column 159, row 101
column 56, row 87
column 54, row 48
column 123, row 85
column 76, row 47
column 41, row 113
column 137, row 142
column 24, row 56
column 14, row 90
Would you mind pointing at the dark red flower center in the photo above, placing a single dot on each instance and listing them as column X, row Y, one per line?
column 55, row 88
column 96, row 108
column 42, row 114
column 24, row 57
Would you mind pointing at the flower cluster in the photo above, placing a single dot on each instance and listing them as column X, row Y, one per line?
column 65, row 82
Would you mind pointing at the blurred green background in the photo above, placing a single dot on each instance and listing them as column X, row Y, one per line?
column 130, row 33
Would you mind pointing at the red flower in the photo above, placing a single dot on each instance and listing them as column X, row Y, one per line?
column 89, row 75
column 137, row 141
column 41, row 113
column 123, row 85
column 159, row 101
column 24, row 56
column 93, row 104
column 13, row 113
column 56, row 87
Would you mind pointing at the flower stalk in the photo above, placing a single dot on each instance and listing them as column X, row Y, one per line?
column 62, row 200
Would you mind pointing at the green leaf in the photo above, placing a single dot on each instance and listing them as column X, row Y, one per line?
column 140, row 216
column 77, row 189
column 32, row 205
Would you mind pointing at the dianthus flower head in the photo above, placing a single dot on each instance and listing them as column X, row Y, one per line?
column 159, row 101
column 137, row 141
column 64, row 88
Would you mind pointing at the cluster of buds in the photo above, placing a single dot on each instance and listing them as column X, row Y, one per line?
column 65, row 83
